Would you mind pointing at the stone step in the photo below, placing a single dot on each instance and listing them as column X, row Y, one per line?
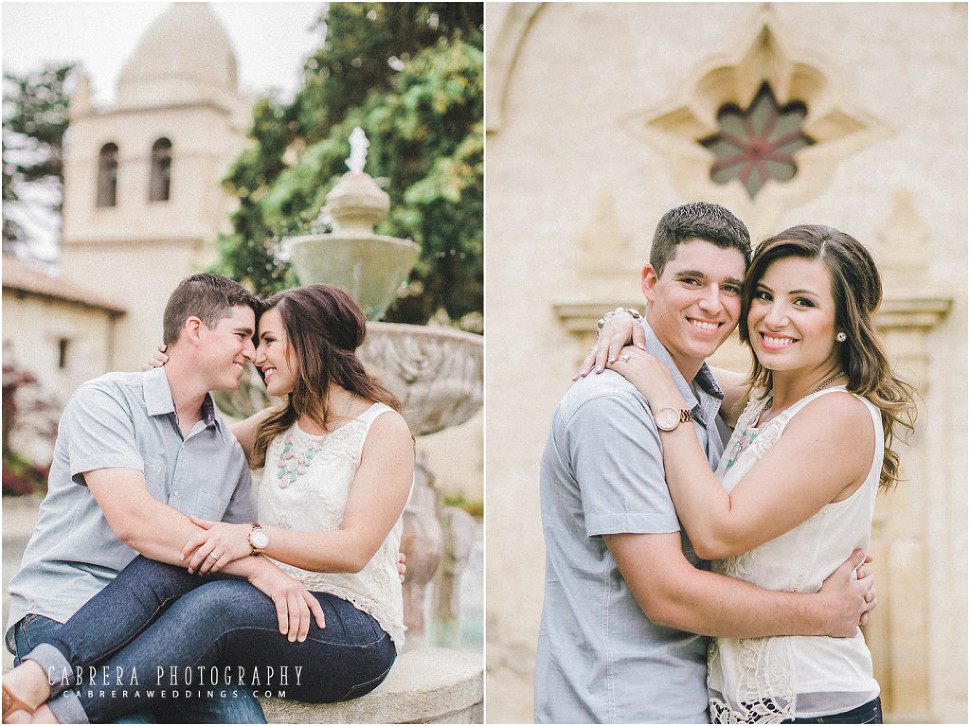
column 425, row 685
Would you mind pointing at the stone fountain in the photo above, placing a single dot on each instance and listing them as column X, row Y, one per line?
column 368, row 266
column 435, row 372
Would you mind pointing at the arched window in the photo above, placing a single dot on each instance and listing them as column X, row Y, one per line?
column 107, row 176
column 161, row 180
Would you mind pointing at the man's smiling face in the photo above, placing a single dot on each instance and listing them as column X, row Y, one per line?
column 696, row 302
column 227, row 347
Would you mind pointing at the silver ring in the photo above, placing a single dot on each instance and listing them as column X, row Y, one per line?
column 213, row 555
column 625, row 358
column 594, row 350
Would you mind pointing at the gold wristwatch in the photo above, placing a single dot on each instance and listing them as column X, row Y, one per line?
column 668, row 418
column 258, row 539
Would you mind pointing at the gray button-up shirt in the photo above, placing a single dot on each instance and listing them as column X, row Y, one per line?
column 124, row 420
column 599, row 659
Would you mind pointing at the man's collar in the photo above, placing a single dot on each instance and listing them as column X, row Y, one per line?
column 158, row 395
column 209, row 410
column 706, row 381
column 159, row 401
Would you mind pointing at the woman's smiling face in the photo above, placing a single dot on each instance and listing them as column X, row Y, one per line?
column 792, row 316
column 274, row 356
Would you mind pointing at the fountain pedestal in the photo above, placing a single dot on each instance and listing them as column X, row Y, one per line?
column 435, row 372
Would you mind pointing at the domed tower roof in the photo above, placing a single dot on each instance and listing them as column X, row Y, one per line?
column 184, row 57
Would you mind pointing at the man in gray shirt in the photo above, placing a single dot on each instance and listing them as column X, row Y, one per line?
column 628, row 605
column 136, row 455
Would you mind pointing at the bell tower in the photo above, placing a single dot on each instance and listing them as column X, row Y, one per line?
column 142, row 197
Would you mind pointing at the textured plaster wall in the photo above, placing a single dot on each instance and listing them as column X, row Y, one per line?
column 140, row 276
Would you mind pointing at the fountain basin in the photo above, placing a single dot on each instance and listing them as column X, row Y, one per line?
column 435, row 372
column 370, row 269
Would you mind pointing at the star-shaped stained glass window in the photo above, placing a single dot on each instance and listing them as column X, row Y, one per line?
column 758, row 143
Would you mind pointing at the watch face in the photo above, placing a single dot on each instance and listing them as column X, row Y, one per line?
column 259, row 538
column 667, row 419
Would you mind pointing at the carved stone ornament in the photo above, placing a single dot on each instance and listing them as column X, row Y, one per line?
column 436, row 372
column 676, row 128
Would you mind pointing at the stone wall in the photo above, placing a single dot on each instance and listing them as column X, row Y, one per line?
column 33, row 327
column 34, row 330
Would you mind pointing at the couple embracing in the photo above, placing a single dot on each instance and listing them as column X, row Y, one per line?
column 156, row 569
column 694, row 574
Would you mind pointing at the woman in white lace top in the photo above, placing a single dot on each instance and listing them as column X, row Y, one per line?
column 795, row 490
column 337, row 462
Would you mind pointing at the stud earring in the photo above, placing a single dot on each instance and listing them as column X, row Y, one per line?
column 841, row 337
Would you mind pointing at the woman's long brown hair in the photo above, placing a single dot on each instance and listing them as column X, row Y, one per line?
column 324, row 327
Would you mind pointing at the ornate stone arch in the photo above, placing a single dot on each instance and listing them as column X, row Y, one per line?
column 675, row 128
column 513, row 24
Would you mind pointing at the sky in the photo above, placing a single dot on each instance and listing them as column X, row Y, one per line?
column 271, row 39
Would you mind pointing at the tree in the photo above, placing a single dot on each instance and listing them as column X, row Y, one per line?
column 34, row 121
column 411, row 75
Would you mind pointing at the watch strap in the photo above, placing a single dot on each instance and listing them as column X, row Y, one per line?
column 665, row 414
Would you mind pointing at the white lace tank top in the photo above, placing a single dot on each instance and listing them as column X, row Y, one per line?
column 768, row 680
column 305, row 484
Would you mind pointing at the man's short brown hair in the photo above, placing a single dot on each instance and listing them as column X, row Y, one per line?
column 207, row 297
column 698, row 220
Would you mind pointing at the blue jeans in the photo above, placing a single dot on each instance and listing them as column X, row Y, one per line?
column 870, row 712
column 156, row 632
column 36, row 629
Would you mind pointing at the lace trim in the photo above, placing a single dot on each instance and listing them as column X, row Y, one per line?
column 392, row 623
column 765, row 666
column 722, row 713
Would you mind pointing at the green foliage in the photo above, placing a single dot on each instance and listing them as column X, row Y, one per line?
column 34, row 122
column 20, row 476
column 475, row 507
column 411, row 75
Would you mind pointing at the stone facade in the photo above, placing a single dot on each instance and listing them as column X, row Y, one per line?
column 593, row 116
column 179, row 86
column 61, row 333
